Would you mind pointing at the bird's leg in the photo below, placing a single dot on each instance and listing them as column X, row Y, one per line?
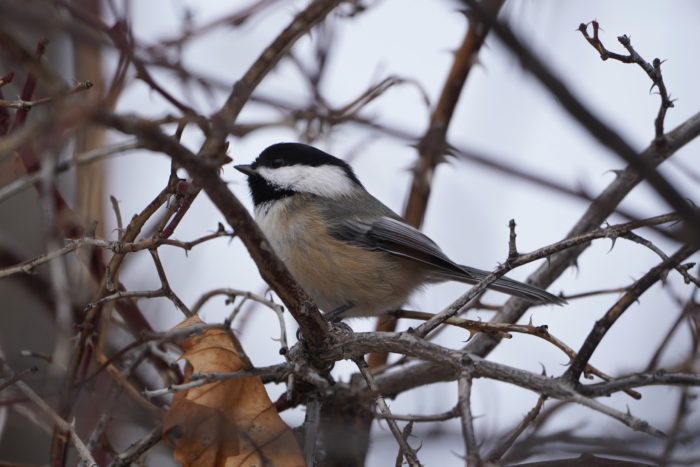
column 336, row 315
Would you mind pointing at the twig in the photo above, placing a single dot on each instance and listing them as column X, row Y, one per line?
column 165, row 285
column 512, row 248
column 464, row 385
column 242, row 90
column 544, row 252
column 118, row 247
column 441, row 417
column 106, row 275
column 28, row 104
column 453, row 362
column 16, row 377
column 110, row 401
column 61, row 424
column 279, row 372
column 682, row 412
column 652, row 70
column 312, row 421
column 233, row 293
column 626, row 418
column 405, row 433
column 596, row 127
column 592, row 293
column 691, row 306
column 222, row 121
column 651, row 378
column 502, row 329
column 312, row 324
column 682, row 269
column 122, row 294
column 498, row 451
column 62, row 166
column 138, row 449
column 433, row 145
column 602, row 326
column 408, row 451
column 117, row 215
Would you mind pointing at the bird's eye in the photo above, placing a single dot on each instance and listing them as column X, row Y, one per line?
column 277, row 163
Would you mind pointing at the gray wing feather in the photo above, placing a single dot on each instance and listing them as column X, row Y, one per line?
column 394, row 236
column 398, row 238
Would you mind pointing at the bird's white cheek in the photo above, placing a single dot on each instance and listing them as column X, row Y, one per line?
column 326, row 180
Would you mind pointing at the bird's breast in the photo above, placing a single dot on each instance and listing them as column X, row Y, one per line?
column 333, row 272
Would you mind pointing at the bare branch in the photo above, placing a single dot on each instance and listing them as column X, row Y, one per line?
column 464, row 403
column 653, row 71
column 498, row 451
column 407, row 450
column 26, row 105
column 596, row 127
column 138, row 449
column 63, row 425
column 277, row 372
column 604, row 324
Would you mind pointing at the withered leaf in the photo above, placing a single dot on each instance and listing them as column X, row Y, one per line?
column 230, row 423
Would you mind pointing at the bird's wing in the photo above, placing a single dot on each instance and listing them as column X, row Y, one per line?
column 398, row 238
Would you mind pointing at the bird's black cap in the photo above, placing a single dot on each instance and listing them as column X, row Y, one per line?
column 287, row 154
column 284, row 154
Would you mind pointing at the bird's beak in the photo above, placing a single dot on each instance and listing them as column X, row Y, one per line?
column 245, row 168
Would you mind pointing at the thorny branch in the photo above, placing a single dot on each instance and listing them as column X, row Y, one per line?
column 498, row 451
column 81, row 448
column 408, row 452
column 433, row 146
column 596, row 127
column 464, row 385
column 26, row 105
column 604, row 324
column 653, row 70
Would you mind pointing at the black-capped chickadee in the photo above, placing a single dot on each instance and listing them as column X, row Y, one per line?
column 353, row 255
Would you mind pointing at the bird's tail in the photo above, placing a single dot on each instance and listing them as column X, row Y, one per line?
column 505, row 285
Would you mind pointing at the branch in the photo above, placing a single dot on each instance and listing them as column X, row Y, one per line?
column 277, row 372
column 653, row 71
column 602, row 326
column 463, row 402
column 433, row 145
column 139, row 448
column 638, row 380
column 521, row 259
column 313, row 326
column 28, row 104
column 242, row 90
column 454, row 362
column 501, row 330
column 62, row 166
column 596, row 127
column 81, row 448
column 222, row 122
column 601, row 207
column 498, row 451
column 408, row 451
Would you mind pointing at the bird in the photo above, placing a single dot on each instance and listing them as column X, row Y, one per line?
column 353, row 255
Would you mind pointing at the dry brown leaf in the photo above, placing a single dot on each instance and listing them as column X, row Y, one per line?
column 230, row 423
